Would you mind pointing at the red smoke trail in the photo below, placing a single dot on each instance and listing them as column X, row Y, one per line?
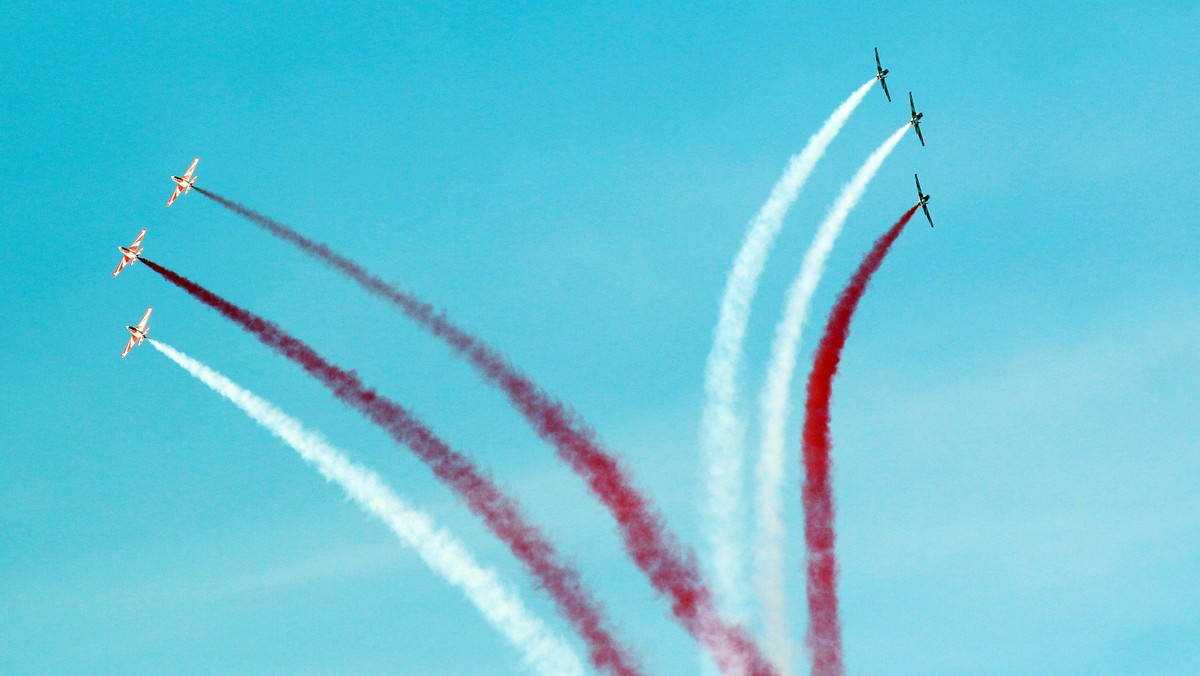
column 824, row 626
column 499, row 511
column 671, row 567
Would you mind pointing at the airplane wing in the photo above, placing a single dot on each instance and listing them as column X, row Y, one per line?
column 878, row 65
column 128, row 346
column 145, row 318
column 120, row 267
column 918, row 180
column 921, row 138
column 885, row 91
column 912, row 106
column 188, row 174
column 138, row 241
column 927, row 216
column 175, row 194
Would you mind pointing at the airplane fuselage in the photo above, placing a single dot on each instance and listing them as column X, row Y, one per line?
column 140, row 335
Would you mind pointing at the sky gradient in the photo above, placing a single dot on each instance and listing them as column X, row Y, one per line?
column 1014, row 424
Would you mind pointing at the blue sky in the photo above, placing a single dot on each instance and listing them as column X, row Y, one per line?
column 1015, row 424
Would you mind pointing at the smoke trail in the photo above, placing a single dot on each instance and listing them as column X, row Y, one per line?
column 824, row 628
column 774, row 401
column 448, row 556
column 669, row 565
column 722, row 429
column 484, row 497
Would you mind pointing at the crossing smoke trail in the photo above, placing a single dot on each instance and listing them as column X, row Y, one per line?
column 543, row 651
column 824, row 628
column 722, row 429
column 670, row 566
column 775, row 405
column 499, row 512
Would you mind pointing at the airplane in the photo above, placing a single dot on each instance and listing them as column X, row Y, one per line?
column 881, row 75
column 129, row 256
column 138, row 332
column 923, row 200
column 915, row 121
column 183, row 183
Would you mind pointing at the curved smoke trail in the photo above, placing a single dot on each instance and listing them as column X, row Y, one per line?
column 499, row 511
column 722, row 429
column 542, row 650
column 824, row 625
column 670, row 566
column 774, row 402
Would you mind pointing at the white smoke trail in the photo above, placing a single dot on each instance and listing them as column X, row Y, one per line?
column 542, row 650
column 775, row 404
column 722, row 429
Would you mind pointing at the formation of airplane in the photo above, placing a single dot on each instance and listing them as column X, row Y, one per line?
column 130, row 255
column 184, row 183
column 881, row 74
column 923, row 200
column 915, row 120
column 137, row 333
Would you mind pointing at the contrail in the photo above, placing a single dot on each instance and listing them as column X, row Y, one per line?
column 722, row 429
column 482, row 495
column 824, row 625
column 774, row 402
column 670, row 566
column 543, row 651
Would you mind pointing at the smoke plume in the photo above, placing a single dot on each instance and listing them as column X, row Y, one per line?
column 542, row 650
column 824, row 625
column 722, row 428
column 481, row 494
column 775, row 403
column 669, row 565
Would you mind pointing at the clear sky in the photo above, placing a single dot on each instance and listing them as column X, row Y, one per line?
column 1015, row 427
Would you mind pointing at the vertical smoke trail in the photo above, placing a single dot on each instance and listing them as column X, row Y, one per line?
column 774, row 401
column 445, row 554
column 670, row 566
column 722, row 429
column 500, row 512
column 824, row 625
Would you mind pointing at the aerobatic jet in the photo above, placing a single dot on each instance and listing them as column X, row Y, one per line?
column 138, row 333
column 183, row 183
column 129, row 256
column 881, row 74
column 915, row 120
column 923, row 200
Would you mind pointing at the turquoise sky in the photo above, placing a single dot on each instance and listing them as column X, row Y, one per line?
column 1015, row 426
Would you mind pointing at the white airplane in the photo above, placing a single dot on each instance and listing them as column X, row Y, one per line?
column 129, row 256
column 138, row 332
column 183, row 183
